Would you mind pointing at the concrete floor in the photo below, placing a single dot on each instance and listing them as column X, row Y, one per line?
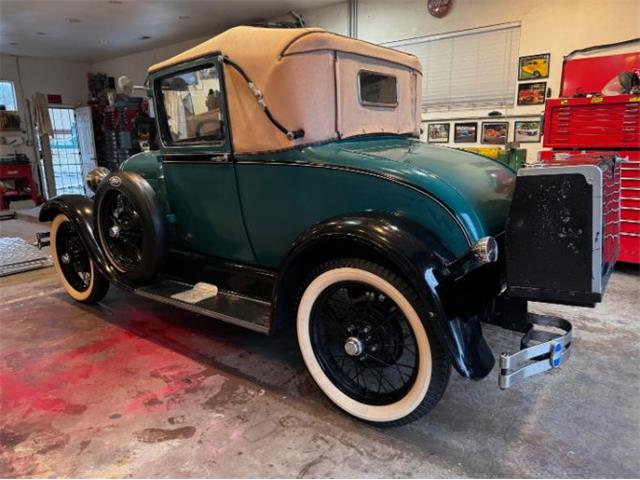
column 131, row 388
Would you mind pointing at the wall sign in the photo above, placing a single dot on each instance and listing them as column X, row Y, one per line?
column 438, row 133
column 465, row 132
column 534, row 66
column 532, row 93
column 439, row 8
column 527, row 131
column 495, row 133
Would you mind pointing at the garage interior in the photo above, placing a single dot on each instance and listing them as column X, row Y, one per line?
column 130, row 387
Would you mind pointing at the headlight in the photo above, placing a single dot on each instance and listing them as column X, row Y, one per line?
column 95, row 176
column 486, row 250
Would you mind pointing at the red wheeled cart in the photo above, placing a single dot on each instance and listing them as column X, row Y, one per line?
column 16, row 183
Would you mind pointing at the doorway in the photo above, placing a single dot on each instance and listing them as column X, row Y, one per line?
column 72, row 149
column 65, row 152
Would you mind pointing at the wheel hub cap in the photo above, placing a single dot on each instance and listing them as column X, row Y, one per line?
column 353, row 346
column 114, row 232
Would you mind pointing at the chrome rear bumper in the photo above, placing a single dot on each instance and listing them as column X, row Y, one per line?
column 541, row 350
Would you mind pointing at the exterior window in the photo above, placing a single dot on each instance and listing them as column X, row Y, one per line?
column 8, row 95
column 377, row 89
column 192, row 106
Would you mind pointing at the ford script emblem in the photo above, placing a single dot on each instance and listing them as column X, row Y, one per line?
column 115, row 181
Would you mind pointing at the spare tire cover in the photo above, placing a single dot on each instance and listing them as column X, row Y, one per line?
column 129, row 222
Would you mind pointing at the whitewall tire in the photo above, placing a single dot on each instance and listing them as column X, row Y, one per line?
column 400, row 368
column 75, row 269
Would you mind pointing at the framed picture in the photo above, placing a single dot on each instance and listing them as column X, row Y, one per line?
column 465, row 132
column 527, row 131
column 495, row 133
column 438, row 133
column 532, row 93
column 533, row 67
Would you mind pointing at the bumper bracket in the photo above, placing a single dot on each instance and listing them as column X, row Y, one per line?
column 42, row 239
column 540, row 350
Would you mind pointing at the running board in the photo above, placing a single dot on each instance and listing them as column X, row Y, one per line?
column 223, row 305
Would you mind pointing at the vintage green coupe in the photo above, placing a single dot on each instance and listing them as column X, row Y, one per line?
column 291, row 191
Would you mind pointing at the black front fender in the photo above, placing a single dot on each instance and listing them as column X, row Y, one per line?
column 418, row 255
column 79, row 210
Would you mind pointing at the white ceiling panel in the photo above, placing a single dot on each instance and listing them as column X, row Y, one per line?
column 97, row 29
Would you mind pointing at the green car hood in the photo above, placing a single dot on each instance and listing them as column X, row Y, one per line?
column 476, row 189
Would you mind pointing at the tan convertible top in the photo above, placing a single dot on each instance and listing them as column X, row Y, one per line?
column 255, row 46
column 307, row 77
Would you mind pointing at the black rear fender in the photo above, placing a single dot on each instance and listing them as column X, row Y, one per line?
column 79, row 210
column 408, row 249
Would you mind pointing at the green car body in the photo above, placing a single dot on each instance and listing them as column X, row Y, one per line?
column 252, row 209
column 272, row 215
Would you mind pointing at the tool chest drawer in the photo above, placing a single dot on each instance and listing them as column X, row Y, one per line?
column 597, row 122
column 630, row 207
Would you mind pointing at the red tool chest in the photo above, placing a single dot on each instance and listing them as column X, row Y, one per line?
column 16, row 183
column 602, row 125
column 630, row 208
column 596, row 122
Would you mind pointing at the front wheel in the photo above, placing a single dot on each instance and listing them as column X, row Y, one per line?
column 368, row 342
column 76, row 270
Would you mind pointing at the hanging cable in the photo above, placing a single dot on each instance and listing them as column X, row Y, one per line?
column 291, row 134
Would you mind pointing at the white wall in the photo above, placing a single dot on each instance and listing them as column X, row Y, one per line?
column 547, row 26
column 31, row 75
column 135, row 65
column 47, row 76
column 332, row 17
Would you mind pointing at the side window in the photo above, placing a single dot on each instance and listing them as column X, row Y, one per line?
column 377, row 89
column 192, row 106
column 8, row 95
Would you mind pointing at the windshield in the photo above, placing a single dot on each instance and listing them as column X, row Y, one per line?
column 192, row 105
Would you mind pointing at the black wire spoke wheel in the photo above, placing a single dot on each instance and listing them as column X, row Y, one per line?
column 73, row 263
column 73, row 258
column 369, row 343
column 364, row 343
column 122, row 231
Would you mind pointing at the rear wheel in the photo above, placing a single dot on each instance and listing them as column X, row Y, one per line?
column 76, row 270
column 366, row 339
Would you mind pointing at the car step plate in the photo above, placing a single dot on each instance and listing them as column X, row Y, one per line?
column 16, row 255
column 541, row 350
column 227, row 306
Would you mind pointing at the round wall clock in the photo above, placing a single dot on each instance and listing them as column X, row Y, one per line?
column 439, row 8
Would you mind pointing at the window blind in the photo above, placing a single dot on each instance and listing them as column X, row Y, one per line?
column 469, row 69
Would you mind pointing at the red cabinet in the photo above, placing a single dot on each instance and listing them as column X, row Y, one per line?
column 597, row 122
column 629, row 197
column 630, row 207
column 16, row 183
